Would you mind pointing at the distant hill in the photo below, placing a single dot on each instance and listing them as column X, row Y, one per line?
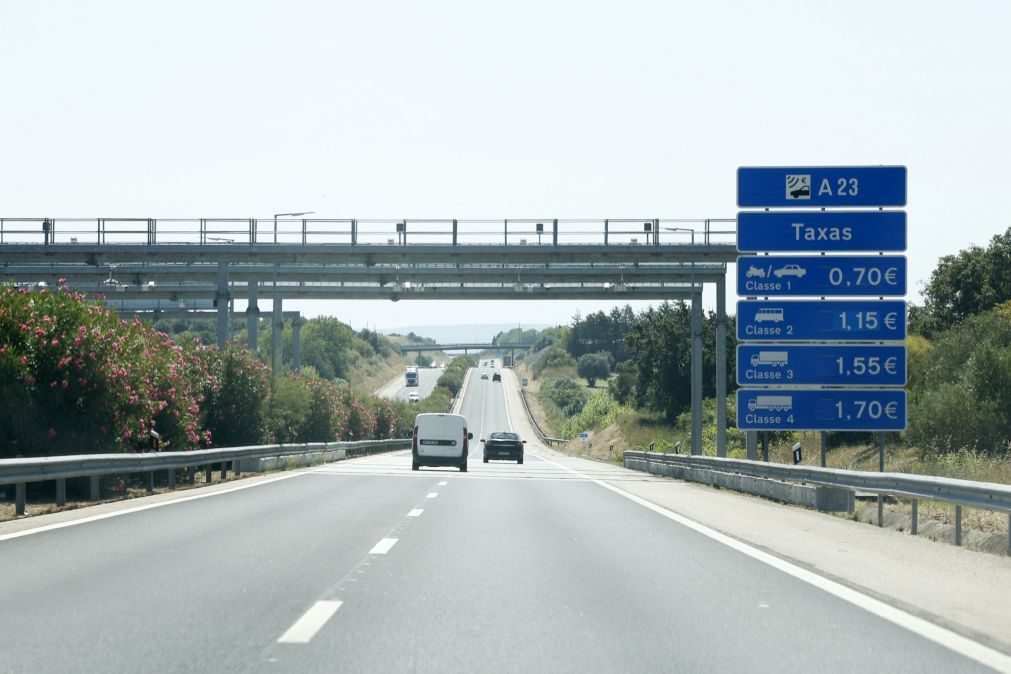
column 446, row 334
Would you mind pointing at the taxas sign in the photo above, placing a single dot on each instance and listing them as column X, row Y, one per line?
column 821, row 231
column 825, row 276
column 821, row 320
column 821, row 409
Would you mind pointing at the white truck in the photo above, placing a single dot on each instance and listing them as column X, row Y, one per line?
column 774, row 358
column 411, row 376
column 771, row 403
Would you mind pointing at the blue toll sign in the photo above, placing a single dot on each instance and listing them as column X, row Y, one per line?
column 821, row 231
column 807, row 186
column 822, row 275
column 821, row 320
column 821, row 365
column 821, row 409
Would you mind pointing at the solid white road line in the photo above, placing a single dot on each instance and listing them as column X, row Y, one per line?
column 305, row 628
column 383, row 546
column 416, row 512
column 924, row 628
column 149, row 506
column 433, row 494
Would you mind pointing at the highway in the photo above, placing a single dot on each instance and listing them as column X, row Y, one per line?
column 427, row 378
column 366, row 566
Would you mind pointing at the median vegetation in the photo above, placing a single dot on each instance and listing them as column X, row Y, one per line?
column 75, row 378
column 448, row 387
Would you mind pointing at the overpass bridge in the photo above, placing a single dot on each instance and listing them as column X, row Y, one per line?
column 225, row 259
column 462, row 346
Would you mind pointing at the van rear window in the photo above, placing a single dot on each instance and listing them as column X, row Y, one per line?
column 448, row 443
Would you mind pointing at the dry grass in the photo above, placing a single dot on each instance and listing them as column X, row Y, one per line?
column 371, row 374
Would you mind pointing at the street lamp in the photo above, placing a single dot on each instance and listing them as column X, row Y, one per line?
column 287, row 215
column 682, row 229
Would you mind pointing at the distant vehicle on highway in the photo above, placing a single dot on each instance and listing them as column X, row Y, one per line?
column 413, row 397
column 440, row 440
column 411, row 376
column 484, row 375
column 496, row 377
column 504, row 445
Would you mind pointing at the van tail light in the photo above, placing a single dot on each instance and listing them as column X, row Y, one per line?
column 464, row 436
column 414, row 438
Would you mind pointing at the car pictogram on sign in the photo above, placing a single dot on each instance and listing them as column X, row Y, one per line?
column 798, row 187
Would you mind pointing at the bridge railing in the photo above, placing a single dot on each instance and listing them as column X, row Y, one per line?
column 368, row 232
column 19, row 472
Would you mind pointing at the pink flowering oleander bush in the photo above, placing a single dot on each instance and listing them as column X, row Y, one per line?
column 328, row 411
column 76, row 378
column 237, row 396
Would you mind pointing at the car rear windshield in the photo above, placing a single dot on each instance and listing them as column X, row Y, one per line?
column 504, row 436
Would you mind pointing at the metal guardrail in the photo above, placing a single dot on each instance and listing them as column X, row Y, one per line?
column 986, row 495
column 533, row 422
column 19, row 472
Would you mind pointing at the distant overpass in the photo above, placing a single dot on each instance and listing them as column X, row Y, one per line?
column 463, row 346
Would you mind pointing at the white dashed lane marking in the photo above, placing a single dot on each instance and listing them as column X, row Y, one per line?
column 433, row 494
column 305, row 628
column 383, row 546
column 416, row 512
column 443, row 484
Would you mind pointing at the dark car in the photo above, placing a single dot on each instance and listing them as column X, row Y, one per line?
column 504, row 446
column 496, row 377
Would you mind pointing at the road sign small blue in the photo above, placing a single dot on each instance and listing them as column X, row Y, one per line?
column 821, row 409
column 806, row 186
column 823, row 275
column 821, row 320
column 817, row 231
column 820, row 365
column 584, row 436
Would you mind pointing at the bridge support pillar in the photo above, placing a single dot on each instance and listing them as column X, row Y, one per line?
column 696, row 373
column 221, row 301
column 276, row 335
column 296, row 338
column 721, row 366
column 252, row 317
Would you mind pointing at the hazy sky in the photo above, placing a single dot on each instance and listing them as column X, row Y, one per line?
column 490, row 110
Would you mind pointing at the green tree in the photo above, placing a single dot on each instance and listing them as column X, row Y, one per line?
column 594, row 366
column 601, row 332
column 962, row 389
column 659, row 345
column 565, row 394
column 971, row 282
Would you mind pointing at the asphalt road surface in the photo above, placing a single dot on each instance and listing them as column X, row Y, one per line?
column 427, row 378
column 366, row 566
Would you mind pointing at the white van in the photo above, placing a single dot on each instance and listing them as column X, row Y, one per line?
column 440, row 440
